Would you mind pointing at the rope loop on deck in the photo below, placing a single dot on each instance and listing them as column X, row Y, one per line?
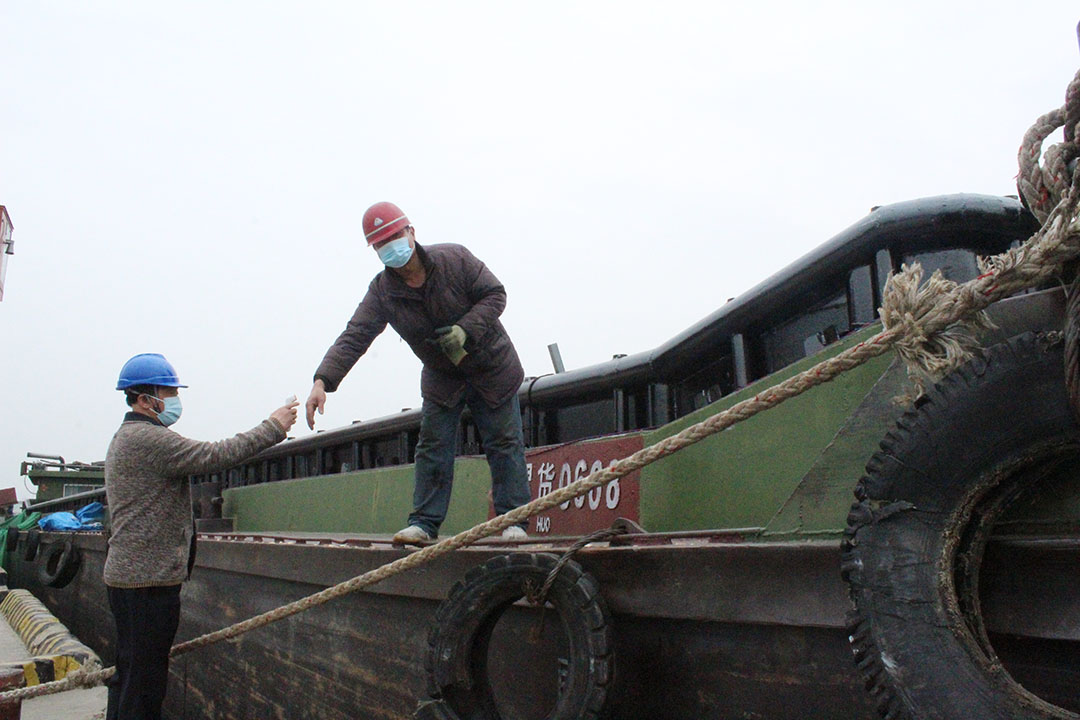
column 538, row 596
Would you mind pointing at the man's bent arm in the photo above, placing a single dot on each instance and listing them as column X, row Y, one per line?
column 366, row 324
column 488, row 296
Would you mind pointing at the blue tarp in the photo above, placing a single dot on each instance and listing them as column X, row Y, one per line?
column 92, row 513
column 84, row 519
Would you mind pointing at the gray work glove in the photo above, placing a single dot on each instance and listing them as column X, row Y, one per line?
column 452, row 342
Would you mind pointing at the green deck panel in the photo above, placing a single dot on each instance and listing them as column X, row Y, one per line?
column 790, row 469
column 741, row 477
column 820, row 504
column 367, row 501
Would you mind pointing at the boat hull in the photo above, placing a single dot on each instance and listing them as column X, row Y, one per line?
column 704, row 626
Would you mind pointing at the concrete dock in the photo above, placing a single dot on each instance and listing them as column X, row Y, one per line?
column 72, row 705
column 82, row 704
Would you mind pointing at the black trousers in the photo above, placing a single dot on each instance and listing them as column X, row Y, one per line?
column 146, row 622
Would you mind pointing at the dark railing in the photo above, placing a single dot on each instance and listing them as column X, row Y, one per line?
column 70, row 503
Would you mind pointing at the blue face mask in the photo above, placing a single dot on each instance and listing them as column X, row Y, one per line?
column 395, row 253
column 171, row 413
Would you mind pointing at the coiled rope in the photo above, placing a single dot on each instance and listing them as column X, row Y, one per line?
column 1044, row 185
column 930, row 325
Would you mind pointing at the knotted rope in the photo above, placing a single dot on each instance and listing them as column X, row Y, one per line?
column 1048, row 189
column 1042, row 186
column 927, row 324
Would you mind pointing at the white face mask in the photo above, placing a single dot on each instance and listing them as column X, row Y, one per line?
column 172, row 410
column 396, row 253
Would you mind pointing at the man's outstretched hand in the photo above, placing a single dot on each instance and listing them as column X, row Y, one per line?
column 317, row 399
column 286, row 414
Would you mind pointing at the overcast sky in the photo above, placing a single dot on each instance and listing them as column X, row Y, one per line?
column 188, row 178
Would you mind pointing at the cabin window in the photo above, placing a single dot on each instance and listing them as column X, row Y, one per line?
column 740, row 361
column 633, row 408
column 882, row 268
column 659, row 407
column 583, row 420
column 337, row 460
column 712, row 382
column 75, row 489
column 468, row 439
column 396, row 449
column 530, row 425
column 861, row 308
column 367, row 457
column 824, row 323
column 385, row 452
column 957, row 264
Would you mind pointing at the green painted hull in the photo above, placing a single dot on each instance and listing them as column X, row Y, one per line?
column 786, row 474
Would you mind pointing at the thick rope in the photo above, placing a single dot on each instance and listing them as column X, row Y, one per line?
column 931, row 349
column 915, row 319
column 72, row 681
column 1072, row 346
column 1043, row 186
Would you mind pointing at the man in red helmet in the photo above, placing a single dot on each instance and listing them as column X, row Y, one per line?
column 445, row 304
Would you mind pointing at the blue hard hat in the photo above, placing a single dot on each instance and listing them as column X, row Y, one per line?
column 148, row 369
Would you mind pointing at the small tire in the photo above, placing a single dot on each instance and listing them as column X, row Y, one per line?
column 61, row 565
column 11, row 541
column 33, row 542
column 456, row 661
column 924, row 512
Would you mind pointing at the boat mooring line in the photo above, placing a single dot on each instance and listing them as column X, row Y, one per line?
column 929, row 324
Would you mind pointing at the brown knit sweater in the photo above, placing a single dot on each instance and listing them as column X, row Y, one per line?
column 146, row 483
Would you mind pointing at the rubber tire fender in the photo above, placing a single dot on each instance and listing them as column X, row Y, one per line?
column 456, row 661
column 61, row 564
column 953, row 461
column 33, row 542
column 11, row 540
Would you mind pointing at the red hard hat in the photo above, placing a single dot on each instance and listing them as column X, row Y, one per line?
column 383, row 220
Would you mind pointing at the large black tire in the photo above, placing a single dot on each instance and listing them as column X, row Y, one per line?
column 60, row 566
column 456, row 662
column 917, row 533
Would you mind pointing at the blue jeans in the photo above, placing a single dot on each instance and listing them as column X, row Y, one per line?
column 500, row 431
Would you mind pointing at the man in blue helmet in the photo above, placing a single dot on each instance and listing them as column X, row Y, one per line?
column 152, row 538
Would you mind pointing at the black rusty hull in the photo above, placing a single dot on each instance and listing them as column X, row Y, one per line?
column 703, row 629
